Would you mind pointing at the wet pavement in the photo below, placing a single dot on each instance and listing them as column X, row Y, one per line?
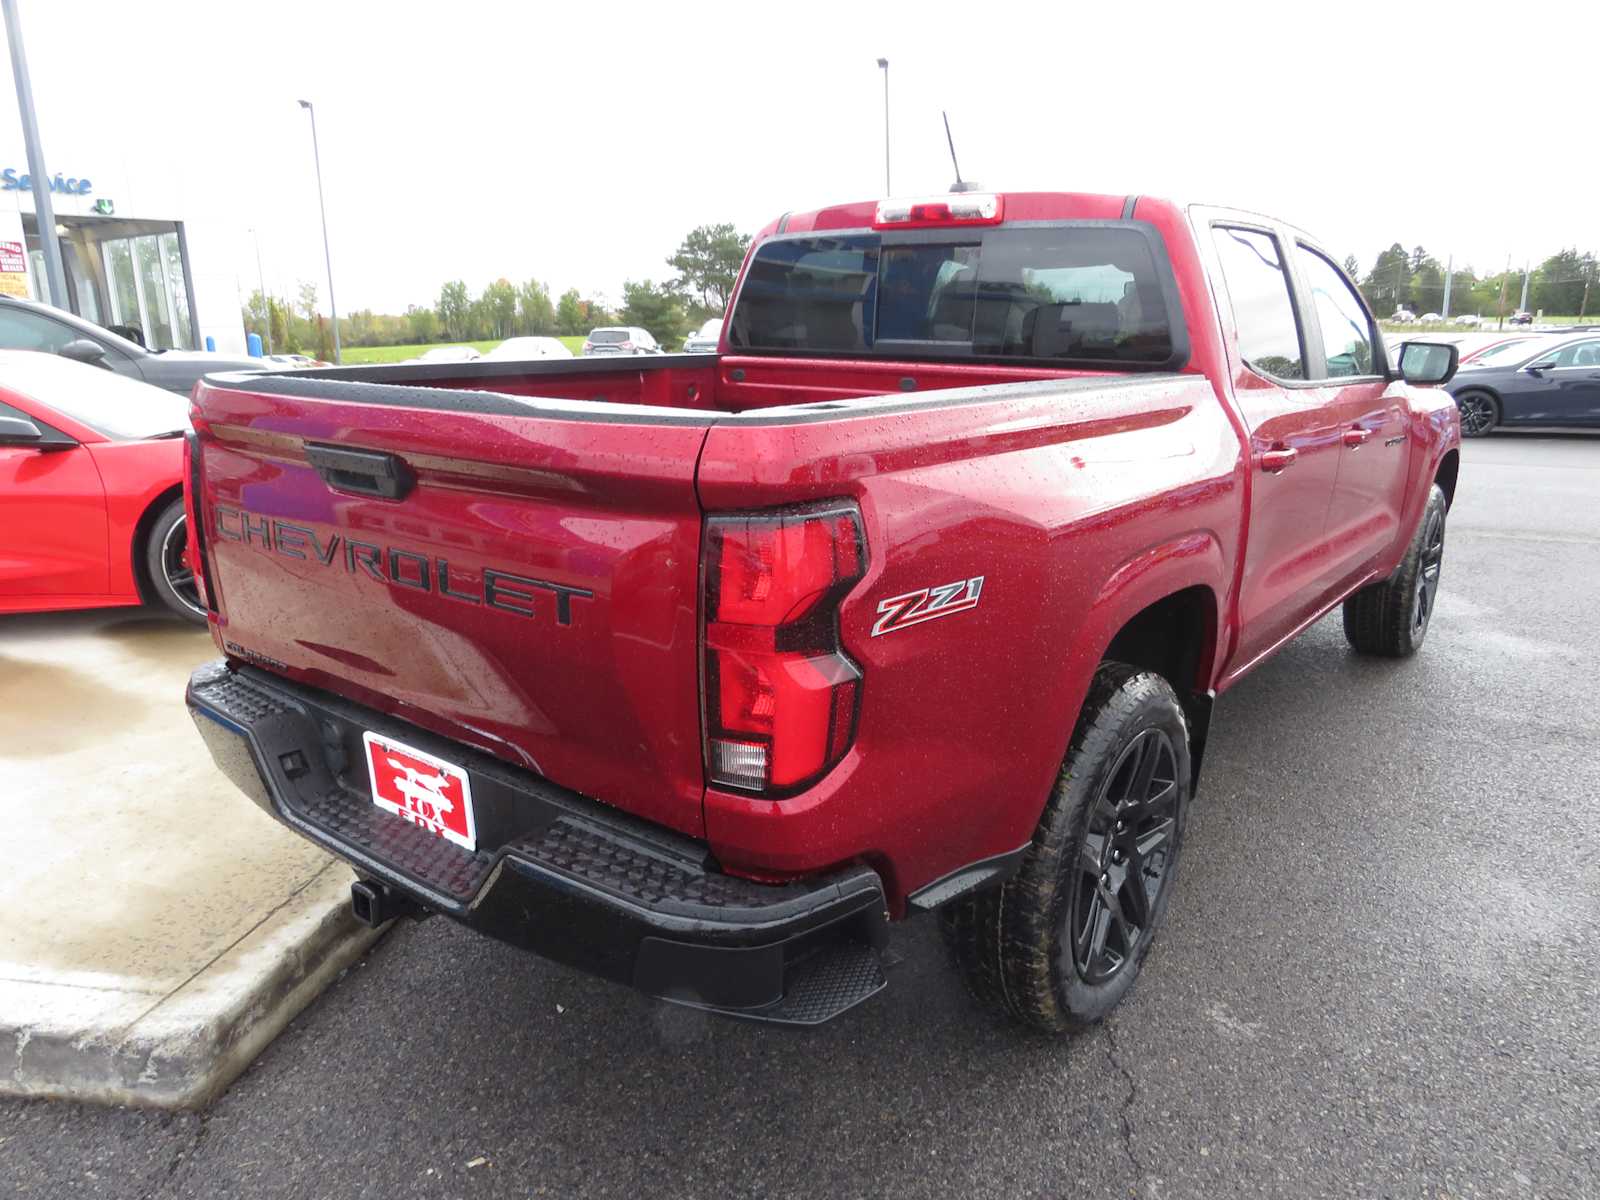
column 146, row 914
column 1380, row 976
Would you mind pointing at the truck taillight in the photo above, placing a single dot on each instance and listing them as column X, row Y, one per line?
column 625, row 346
column 198, row 553
column 780, row 695
column 959, row 208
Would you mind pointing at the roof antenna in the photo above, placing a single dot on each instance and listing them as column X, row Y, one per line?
column 958, row 185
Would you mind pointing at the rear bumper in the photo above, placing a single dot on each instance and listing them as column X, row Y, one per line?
column 555, row 873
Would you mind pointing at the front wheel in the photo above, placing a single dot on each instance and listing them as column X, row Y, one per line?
column 1479, row 413
column 166, row 558
column 1060, row 943
column 1390, row 619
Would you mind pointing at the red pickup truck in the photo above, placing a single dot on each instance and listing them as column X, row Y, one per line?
column 697, row 671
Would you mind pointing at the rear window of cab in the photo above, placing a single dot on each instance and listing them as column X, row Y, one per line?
column 1089, row 293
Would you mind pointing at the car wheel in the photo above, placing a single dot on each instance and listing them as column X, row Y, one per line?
column 1061, row 942
column 166, row 558
column 1390, row 619
column 1479, row 413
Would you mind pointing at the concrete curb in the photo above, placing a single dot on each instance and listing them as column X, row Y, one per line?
column 187, row 1046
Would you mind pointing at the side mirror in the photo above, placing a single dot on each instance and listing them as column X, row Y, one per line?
column 1544, row 364
column 1428, row 363
column 83, row 350
column 19, row 431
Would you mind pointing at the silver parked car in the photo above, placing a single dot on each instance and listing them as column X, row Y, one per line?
column 619, row 339
column 704, row 340
column 520, row 349
column 449, row 354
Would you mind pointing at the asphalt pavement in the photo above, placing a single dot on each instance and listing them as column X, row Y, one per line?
column 1380, row 976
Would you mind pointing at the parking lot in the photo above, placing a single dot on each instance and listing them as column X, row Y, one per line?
column 1380, row 976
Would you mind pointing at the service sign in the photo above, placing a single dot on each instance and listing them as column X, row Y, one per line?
column 13, row 257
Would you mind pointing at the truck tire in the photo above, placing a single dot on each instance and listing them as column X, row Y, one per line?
column 1061, row 942
column 1390, row 619
column 166, row 561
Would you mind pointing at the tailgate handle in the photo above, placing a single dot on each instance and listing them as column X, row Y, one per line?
column 367, row 472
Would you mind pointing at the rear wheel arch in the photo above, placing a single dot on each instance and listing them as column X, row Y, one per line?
column 1176, row 638
column 1449, row 470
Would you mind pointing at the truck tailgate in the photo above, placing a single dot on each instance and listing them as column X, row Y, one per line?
column 521, row 578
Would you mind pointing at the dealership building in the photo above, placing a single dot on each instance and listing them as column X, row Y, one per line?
column 135, row 261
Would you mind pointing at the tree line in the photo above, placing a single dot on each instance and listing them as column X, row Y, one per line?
column 706, row 263
column 1567, row 284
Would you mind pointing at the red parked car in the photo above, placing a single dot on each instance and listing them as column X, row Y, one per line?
column 697, row 672
column 91, row 489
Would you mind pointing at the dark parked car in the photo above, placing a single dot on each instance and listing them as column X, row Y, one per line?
column 1555, row 381
column 25, row 325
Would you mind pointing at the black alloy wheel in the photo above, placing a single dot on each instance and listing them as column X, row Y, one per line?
column 175, row 566
column 1432, row 563
column 167, row 565
column 1122, row 865
column 1478, row 415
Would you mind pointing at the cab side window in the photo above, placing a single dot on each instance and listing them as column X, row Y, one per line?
column 24, row 330
column 1346, row 331
column 1269, row 336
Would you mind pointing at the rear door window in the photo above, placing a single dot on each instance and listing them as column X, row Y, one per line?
column 1269, row 337
column 1068, row 293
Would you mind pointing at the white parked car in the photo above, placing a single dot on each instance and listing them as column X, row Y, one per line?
column 1430, row 317
column 704, row 340
column 520, row 349
column 448, row 354
column 1467, row 319
column 1403, row 316
column 620, row 339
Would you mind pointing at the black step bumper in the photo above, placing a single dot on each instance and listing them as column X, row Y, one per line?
column 555, row 873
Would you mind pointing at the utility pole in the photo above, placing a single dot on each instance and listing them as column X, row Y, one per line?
column 322, row 203
column 1504, row 278
column 884, row 63
column 1523, row 307
column 1584, row 306
column 1449, row 270
column 266, row 302
column 44, row 213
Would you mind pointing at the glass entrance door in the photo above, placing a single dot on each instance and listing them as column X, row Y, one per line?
column 145, row 274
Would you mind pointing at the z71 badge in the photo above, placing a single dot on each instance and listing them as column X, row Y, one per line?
column 913, row 608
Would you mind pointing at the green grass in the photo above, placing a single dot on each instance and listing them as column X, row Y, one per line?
column 1487, row 325
column 357, row 355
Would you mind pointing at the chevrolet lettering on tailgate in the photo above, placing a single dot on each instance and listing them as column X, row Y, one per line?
column 504, row 590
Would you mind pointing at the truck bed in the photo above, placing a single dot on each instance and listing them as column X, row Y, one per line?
column 706, row 383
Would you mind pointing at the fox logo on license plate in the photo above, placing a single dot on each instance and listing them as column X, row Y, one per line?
column 427, row 791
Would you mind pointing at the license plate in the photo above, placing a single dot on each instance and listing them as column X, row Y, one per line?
column 427, row 791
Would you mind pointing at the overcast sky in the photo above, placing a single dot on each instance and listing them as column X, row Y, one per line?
column 578, row 144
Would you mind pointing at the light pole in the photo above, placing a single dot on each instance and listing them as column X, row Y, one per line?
column 322, row 204
column 884, row 63
column 44, row 213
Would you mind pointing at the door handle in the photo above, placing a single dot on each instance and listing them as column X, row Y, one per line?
column 367, row 472
column 1279, row 458
column 1356, row 436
